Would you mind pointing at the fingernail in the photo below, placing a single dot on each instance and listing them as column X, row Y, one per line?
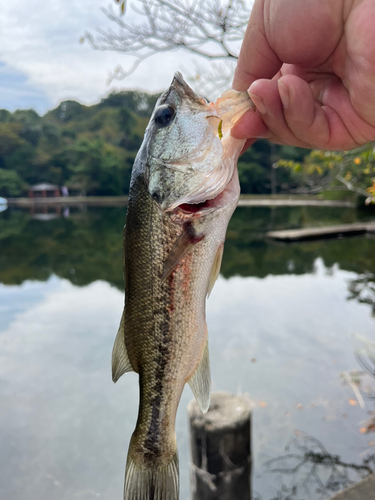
column 284, row 94
column 259, row 103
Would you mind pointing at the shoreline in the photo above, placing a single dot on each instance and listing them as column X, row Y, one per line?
column 245, row 201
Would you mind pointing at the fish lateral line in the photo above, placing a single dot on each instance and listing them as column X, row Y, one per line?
column 184, row 243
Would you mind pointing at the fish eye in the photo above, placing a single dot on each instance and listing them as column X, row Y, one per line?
column 164, row 115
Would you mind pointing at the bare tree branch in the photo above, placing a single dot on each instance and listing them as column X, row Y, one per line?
column 310, row 467
column 212, row 29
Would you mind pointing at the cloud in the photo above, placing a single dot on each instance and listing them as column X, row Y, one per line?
column 40, row 50
column 17, row 93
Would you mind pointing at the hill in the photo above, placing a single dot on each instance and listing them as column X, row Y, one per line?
column 92, row 148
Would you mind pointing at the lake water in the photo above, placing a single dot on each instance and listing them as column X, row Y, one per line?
column 281, row 321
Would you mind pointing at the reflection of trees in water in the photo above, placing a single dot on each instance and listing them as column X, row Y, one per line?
column 82, row 249
column 88, row 246
column 308, row 470
column 365, row 354
column 362, row 289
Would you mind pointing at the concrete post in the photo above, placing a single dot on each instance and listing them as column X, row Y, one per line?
column 220, row 448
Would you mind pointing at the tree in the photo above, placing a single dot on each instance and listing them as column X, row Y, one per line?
column 212, row 30
column 100, row 167
column 351, row 171
column 11, row 183
column 362, row 288
column 10, row 139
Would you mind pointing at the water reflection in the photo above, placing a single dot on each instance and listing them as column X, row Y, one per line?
column 87, row 246
column 280, row 324
column 308, row 469
column 58, row 405
column 362, row 288
column 83, row 248
column 365, row 354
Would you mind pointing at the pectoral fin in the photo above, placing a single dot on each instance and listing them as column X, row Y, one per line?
column 200, row 382
column 120, row 359
column 215, row 268
column 187, row 239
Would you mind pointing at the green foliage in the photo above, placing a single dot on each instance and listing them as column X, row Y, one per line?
column 139, row 102
column 11, row 183
column 87, row 147
column 5, row 115
column 92, row 148
column 352, row 171
column 10, row 139
column 99, row 167
column 254, row 177
column 256, row 168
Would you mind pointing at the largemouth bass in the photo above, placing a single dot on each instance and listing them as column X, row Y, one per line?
column 183, row 191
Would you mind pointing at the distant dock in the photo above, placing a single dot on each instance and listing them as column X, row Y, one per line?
column 71, row 201
column 315, row 233
column 291, row 202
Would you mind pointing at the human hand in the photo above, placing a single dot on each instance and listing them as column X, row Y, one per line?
column 310, row 66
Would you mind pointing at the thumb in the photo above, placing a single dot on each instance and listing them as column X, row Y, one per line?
column 257, row 59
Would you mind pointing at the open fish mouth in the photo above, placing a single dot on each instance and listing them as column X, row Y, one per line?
column 204, row 206
column 191, row 211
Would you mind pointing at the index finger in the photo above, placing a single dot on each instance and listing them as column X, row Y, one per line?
column 257, row 59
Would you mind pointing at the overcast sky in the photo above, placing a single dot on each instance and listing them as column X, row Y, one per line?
column 43, row 63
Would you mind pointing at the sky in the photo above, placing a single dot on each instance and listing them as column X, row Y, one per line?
column 42, row 62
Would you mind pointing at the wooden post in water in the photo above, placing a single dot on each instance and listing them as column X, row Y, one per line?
column 220, row 448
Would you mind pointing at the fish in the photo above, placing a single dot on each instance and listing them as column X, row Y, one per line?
column 184, row 188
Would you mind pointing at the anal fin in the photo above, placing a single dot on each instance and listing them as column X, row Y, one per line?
column 215, row 268
column 120, row 359
column 200, row 382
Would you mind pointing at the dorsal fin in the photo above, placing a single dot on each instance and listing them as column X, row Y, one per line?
column 200, row 382
column 120, row 359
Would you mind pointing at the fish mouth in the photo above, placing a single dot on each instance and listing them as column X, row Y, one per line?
column 203, row 207
column 229, row 194
column 189, row 208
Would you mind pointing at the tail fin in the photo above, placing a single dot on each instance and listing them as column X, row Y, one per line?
column 151, row 483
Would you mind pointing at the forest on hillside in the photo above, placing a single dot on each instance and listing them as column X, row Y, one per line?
column 92, row 149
